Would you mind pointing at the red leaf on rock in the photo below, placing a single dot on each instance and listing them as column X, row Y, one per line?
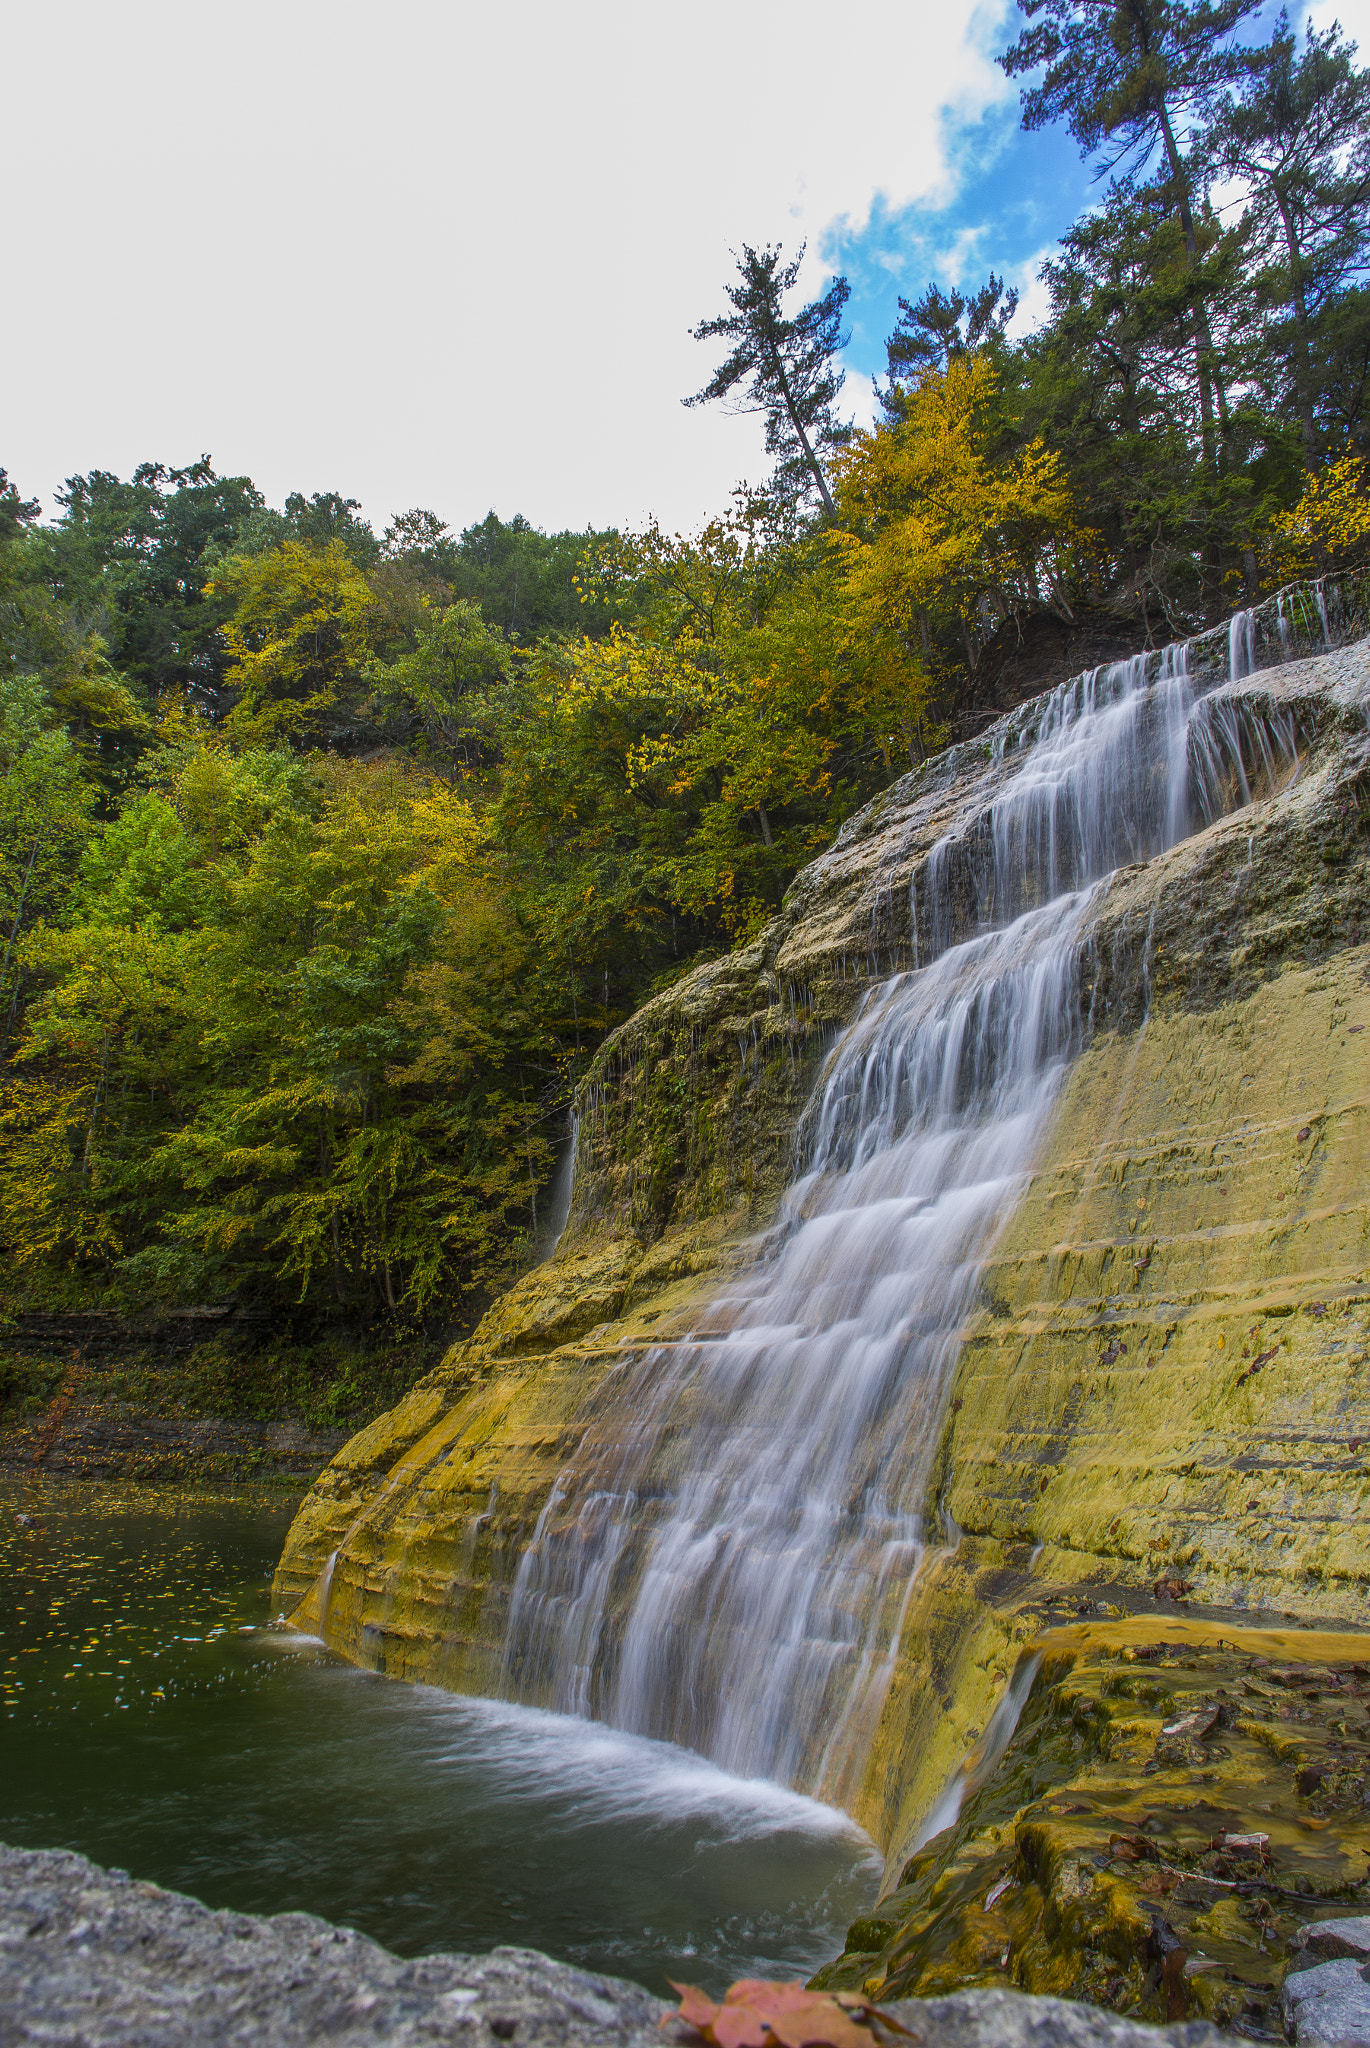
column 695, row 2009
column 740, row 2026
column 758, row 2014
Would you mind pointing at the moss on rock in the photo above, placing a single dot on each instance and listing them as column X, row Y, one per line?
column 1176, row 1800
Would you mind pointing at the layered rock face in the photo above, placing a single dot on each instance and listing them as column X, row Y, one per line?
column 1160, row 1386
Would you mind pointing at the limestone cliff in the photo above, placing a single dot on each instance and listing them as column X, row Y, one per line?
column 1163, row 1392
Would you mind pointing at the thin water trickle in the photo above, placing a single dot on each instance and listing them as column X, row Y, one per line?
column 727, row 1561
column 561, row 1191
column 1241, row 646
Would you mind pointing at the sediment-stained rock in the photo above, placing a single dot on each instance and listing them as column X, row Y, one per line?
column 1178, row 1797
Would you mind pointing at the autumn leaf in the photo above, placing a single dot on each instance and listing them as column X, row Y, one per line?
column 756, row 2013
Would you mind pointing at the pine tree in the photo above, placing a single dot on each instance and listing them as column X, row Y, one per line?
column 783, row 368
column 940, row 325
column 1299, row 138
column 1139, row 76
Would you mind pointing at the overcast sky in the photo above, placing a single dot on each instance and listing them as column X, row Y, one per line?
column 430, row 253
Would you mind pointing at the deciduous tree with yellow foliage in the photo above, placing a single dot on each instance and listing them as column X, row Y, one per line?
column 298, row 633
column 945, row 523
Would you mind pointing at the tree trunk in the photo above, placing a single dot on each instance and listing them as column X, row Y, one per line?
column 815, row 466
column 1203, row 338
column 14, row 933
column 1303, row 371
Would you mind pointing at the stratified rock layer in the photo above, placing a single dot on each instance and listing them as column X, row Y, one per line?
column 1163, row 1395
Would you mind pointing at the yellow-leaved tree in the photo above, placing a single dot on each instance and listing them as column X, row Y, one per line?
column 1329, row 528
column 298, row 635
column 945, row 525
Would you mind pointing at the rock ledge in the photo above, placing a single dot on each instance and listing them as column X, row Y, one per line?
column 91, row 1958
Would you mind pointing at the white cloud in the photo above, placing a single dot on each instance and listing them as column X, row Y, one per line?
column 1034, row 300
column 436, row 253
column 1354, row 16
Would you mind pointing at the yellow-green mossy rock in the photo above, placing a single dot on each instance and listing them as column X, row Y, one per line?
column 1176, row 1803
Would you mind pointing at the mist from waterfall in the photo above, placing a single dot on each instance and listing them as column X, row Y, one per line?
column 727, row 1559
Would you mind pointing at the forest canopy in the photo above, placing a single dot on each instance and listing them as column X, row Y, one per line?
column 328, row 856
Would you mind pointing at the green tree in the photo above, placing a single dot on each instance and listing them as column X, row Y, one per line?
column 298, row 635
column 1298, row 137
column 524, row 581
column 45, row 818
column 445, row 681
column 287, row 1046
column 1108, row 383
column 785, row 368
column 939, row 325
column 1137, row 75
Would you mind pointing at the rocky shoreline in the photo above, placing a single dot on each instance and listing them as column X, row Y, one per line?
column 91, row 1958
column 89, row 1437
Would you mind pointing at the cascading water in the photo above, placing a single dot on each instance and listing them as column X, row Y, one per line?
column 1241, row 645
column 727, row 1560
column 559, row 1194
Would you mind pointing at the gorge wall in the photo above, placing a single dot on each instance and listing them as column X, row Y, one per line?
column 1159, row 1390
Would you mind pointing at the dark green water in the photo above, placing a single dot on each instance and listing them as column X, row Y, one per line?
column 155, row 1720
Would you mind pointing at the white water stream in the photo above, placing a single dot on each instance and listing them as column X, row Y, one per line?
column 726, row 1561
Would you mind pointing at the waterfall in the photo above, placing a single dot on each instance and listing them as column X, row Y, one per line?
column 727, row 1560
column 560, row 1192
column 1241, row 645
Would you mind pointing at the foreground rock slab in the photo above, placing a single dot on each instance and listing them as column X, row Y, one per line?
column 90, row 1958
column 1330, row 2002
column 93, row 1957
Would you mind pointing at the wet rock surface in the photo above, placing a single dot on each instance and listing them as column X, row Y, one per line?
column 91, row 1957
column 1179, row 1827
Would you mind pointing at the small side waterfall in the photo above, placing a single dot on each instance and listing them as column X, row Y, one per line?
column 1241, row 645
column 560, row 1192
column 727, row 1560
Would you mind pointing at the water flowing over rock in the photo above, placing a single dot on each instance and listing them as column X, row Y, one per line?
column 727, row 1560
column 794, row 1499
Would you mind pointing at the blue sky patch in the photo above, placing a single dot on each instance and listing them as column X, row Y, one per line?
column 1012, row 197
